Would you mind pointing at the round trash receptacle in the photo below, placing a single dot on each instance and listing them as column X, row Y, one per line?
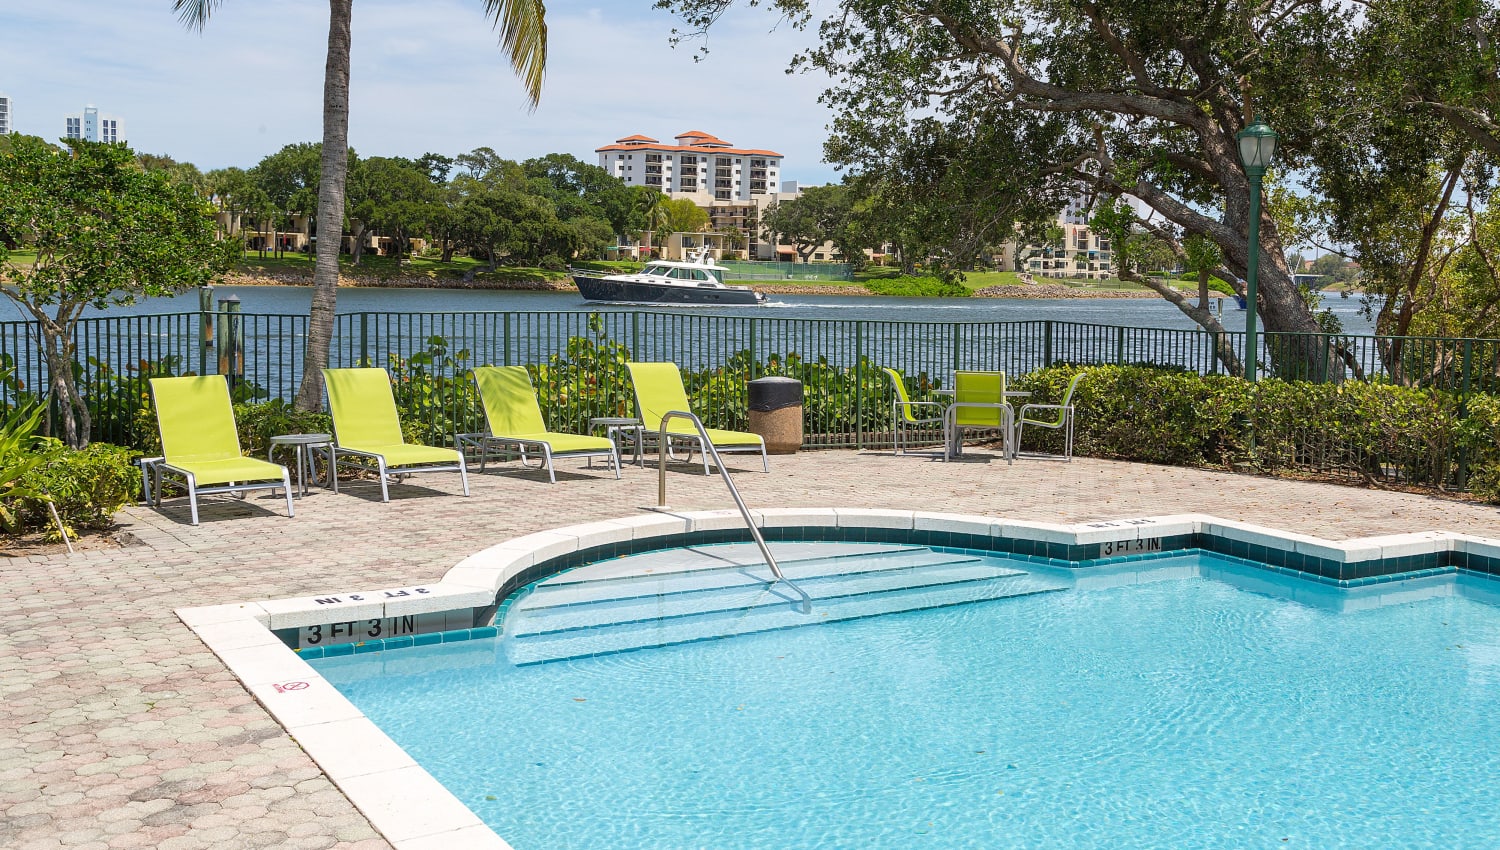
column 776, row 413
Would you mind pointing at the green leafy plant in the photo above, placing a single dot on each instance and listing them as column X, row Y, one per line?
column 258, row 422
column 918, row 287
column 433, row 393
column 88, row 486
column 22, row 452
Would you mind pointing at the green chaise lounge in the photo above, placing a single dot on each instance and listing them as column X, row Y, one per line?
column 514, row 419
column 658, row 391
column 366, row 428
column 199, row 442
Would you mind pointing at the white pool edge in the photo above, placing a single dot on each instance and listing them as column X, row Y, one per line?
column 413, row 811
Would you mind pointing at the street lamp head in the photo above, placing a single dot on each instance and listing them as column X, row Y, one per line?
column 1257, row 147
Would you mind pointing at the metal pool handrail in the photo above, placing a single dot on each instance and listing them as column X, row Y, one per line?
column 734, row 492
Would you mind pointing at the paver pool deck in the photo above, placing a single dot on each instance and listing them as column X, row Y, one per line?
column 118, row 728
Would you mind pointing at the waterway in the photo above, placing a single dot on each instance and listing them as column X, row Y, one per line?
column 1128, row 312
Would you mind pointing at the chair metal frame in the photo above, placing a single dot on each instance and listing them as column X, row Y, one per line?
column 1064, row 420
column 901, row 412
column 953, row 429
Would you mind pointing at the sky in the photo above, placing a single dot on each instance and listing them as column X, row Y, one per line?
column 426, row 76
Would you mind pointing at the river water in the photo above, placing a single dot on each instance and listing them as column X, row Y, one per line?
column 1129, row 312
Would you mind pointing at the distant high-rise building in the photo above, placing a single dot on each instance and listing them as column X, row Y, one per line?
column 91, row 126
column 7, row 114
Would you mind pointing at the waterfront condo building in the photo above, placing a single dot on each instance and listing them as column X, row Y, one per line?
column 7, row 114
column 91, row 126
column 734, row 185
column 698, row 164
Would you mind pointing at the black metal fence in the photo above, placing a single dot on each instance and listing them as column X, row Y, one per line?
column 839, row 360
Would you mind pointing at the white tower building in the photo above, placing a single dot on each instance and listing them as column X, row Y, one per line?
column 93, row 126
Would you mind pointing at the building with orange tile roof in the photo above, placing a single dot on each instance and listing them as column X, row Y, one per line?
column 697, row 164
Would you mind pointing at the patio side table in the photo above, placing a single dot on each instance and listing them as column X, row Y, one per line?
column 303, row 446
column 615, row 425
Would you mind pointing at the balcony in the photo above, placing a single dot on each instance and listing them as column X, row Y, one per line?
column 723, row 184
column 759, row 174
column 653, row 180
column 653, row 157
column 653, row 169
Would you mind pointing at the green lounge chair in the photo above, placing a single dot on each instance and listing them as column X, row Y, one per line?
column 514, row 418
column 978, row 405
column 366, row 428
column 658, row 391
column 904, row 418
column 1062, row 418
column 200, row 443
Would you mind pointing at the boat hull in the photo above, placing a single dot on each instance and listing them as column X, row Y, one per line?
column 639, row 292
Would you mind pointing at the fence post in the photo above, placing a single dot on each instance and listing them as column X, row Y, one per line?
column 635, row 334
column 205, row 326
column 1463, row 412
column 505, row 338
column 957, row 341
column 859, row 384
column 754, row 360
column 1047, row 345
column 1120, row 345
column 364, row 339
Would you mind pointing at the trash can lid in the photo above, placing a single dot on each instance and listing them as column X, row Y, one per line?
column 774, row 393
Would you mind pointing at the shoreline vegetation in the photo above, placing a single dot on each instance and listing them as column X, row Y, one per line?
column 294, row 270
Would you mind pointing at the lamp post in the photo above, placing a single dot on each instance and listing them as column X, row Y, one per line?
column 1257, row 146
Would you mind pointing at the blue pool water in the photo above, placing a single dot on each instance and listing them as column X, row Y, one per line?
column 1176, row 702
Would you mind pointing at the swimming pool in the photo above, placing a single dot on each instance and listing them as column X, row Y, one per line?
column 1177, row 699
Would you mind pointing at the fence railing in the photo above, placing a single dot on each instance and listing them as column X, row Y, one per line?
column 838, row 360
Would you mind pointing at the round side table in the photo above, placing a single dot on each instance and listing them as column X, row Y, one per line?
column 614, row 425
column 303, row 446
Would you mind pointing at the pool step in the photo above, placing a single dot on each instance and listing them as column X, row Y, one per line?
column 729, row 574
column 540, row 633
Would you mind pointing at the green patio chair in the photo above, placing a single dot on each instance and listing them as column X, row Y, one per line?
column 658, row 391
column 200, row 442
column 367, row 429
column 1063, row 418
column 514, row 419
column 978, row 405
column 904, row 418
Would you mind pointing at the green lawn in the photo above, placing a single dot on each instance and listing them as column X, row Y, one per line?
column 386, row 268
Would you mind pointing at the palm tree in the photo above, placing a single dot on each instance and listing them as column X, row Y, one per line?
column 523, row 37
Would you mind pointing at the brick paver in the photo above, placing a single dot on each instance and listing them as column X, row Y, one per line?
column 119, row 729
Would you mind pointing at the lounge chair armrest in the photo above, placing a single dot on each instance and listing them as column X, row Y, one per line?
column 911, row 404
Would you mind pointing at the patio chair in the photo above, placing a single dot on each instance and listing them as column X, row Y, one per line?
column 514, row 418
column 978, row 405
column 659, row 390
column 199, row 442
column 367, row 429
column 904, row 410
column 1063, row 418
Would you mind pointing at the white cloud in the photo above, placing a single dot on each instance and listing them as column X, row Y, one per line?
column 425, row 77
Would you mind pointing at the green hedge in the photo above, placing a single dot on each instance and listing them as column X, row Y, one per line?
column 917, row 287
column 1368, row 432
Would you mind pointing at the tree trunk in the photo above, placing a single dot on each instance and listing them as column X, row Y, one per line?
column 77, row 425
column 356, row 242
column 330, row 205
column 1223, row 349
column 1203, row 276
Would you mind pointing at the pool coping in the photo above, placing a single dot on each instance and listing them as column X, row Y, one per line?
column 413, row 811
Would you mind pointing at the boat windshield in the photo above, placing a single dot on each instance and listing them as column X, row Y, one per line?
column 660, row 271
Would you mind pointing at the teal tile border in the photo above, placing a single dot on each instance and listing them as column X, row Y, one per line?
column 402, row 642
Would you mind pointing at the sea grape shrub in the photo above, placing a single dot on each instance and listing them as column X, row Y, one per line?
column 258, row 422
column 434, row 395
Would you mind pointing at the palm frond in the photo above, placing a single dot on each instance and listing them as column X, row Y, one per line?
column 194, row 14
column 523, row 34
